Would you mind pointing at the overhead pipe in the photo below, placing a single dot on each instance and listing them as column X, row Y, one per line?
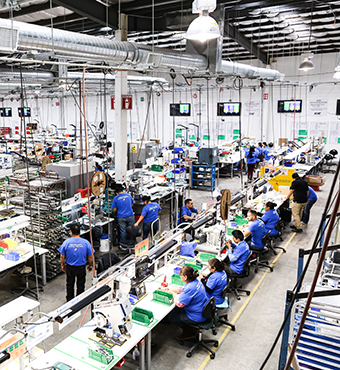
column 17, row 5
column 26, row 37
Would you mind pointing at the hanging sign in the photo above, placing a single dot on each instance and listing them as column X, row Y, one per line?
column 265, row 96
column 195, row 96
column 134, row 149
column 126, row 102
column 112, row 102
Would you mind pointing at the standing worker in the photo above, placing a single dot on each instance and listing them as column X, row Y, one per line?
column 122, row 204
column 150, row 213
column 299, row 189
column 251, row 161
column 74, row 253
column 312, row 198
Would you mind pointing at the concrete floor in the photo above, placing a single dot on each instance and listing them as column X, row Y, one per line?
column 257, row 317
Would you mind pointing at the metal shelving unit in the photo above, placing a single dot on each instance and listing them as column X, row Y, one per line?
column 203, row 176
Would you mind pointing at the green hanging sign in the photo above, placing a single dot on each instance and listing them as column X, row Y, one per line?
column 192, row 137
column 178, row 131
column 206, row 137
column 178, row 136
column 221, row 137
column 303, row 132
column 235, row 137
column 236, row 132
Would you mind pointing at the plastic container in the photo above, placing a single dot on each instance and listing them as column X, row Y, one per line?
column 176, row 280
column 3, row 245
column 156, row 167
column 11, row 243
column 104, row 243
column 233, row 224
column 205, row 257
column 12, row 256
column 163, row 297
column 144, row 317
column 83, row 192
column 177, row 270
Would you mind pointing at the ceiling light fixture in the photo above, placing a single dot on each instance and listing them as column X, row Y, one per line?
column 204, row 27
column 307, row 64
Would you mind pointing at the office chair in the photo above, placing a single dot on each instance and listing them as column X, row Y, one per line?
column 107, row 260
column 278, row 226
column 327, row 162
column 158, row 233
column 256, row 254
column 237, row 288
column 128, row 245
column 26, row 271
column 210, row 313
column 237, row 169
column 222, row 310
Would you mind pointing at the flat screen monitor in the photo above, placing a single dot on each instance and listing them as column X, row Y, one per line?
column 229, row 109
column 6, row 112
column 26, row 112
column 180, row 110
column 289, row 106
column 338, row 107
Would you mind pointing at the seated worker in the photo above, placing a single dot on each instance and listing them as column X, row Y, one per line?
column 190, row 303
column 290, row 148
column 238, row 252
column 150, row 213
column 216, row 281
column 184, row 215
column 256, row 229
column 270, row 218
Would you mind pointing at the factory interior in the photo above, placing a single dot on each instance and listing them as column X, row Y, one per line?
column 169, row 185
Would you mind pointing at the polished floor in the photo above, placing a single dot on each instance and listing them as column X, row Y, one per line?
column 257, row 317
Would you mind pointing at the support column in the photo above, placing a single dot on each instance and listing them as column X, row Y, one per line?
column 121, row 88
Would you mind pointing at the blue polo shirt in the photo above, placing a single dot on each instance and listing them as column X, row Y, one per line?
column 258, row 150
column 270, row 219
column 150, row 212
column 194, row 297
column 217, row 281
column 253, row 159
column 258, row 231
column 185, row 211
column 237, row 256
column 76, row 251
column 267, row 151
column 312, row 194
column 123, row 202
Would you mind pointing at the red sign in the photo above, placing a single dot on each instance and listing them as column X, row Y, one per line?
column 112, row 102
column 265, row 96
column 195, row 96
column 126, row 102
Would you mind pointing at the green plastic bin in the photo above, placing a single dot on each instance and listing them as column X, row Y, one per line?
column 144, row 317
column 163, row 297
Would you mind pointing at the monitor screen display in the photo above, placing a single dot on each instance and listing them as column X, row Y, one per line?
column 229, row 109
column 289, row 106
column 26, row 112
column 180, row 110
column 6, row 112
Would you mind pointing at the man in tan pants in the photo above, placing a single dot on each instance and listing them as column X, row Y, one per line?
column 299, row 189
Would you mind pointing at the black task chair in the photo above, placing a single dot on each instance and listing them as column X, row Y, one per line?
column 256, row 254
column 210, row 313
column 25, row 272
column 237, row 288
column 278, row 226
column 107, row 260
column 327, row 161
column 333, row 152
column 222, row 312
column 128, row 245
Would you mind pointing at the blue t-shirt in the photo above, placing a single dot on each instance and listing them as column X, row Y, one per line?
column 253, row 159
column 185, row 211
column 266, row 151
column 123, row 202
column 217, row 282
column 238, row 255
column 76, row 251
column 289, row 149
column 270, row 219
column 258, row 231
column 194, row 297
column 312, row 194
column 258, row 151
column 150, row 212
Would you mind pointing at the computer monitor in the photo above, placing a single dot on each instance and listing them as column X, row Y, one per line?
column 6, row 112
column 229, row 109
column 180, row 110
column 24, row 112
column 289, row 106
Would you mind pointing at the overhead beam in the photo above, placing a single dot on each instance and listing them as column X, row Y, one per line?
column 28, row 10
column 59, row 21
column 230, row 31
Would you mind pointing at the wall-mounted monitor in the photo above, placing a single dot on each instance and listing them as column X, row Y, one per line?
column 289, row 106
column 180, row 110
column 229, row 109
column 338, row 107
column 26, row 112
column 6, row 112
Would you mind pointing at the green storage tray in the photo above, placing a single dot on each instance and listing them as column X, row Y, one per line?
column 157, row 167
column 144, row 317
column 163, row 297
column 240, row 220
column 195, row 266
column 97, row 356
column 205, row 257
column 176, row 280
column 230, row 230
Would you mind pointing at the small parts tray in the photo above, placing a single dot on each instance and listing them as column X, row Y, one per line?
column 163, row 297
column 176, row 280
column 143, row 317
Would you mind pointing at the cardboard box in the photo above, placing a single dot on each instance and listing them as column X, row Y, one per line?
column 282, row 140
column 313, row 180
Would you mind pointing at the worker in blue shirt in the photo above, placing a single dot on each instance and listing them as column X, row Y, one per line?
column 270, row 218
column 267, row 150
column 216, row 281
column 122, row 204
column 259, row 152
column 185, row 214
column 190, row 303
column 74, row 253
column 312, row 198
column 150, row 213
column 238, row 252
column 290, row 148
column 251, row 161
column 256, row 229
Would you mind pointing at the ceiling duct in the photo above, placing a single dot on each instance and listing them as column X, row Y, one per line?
column 121, row 53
